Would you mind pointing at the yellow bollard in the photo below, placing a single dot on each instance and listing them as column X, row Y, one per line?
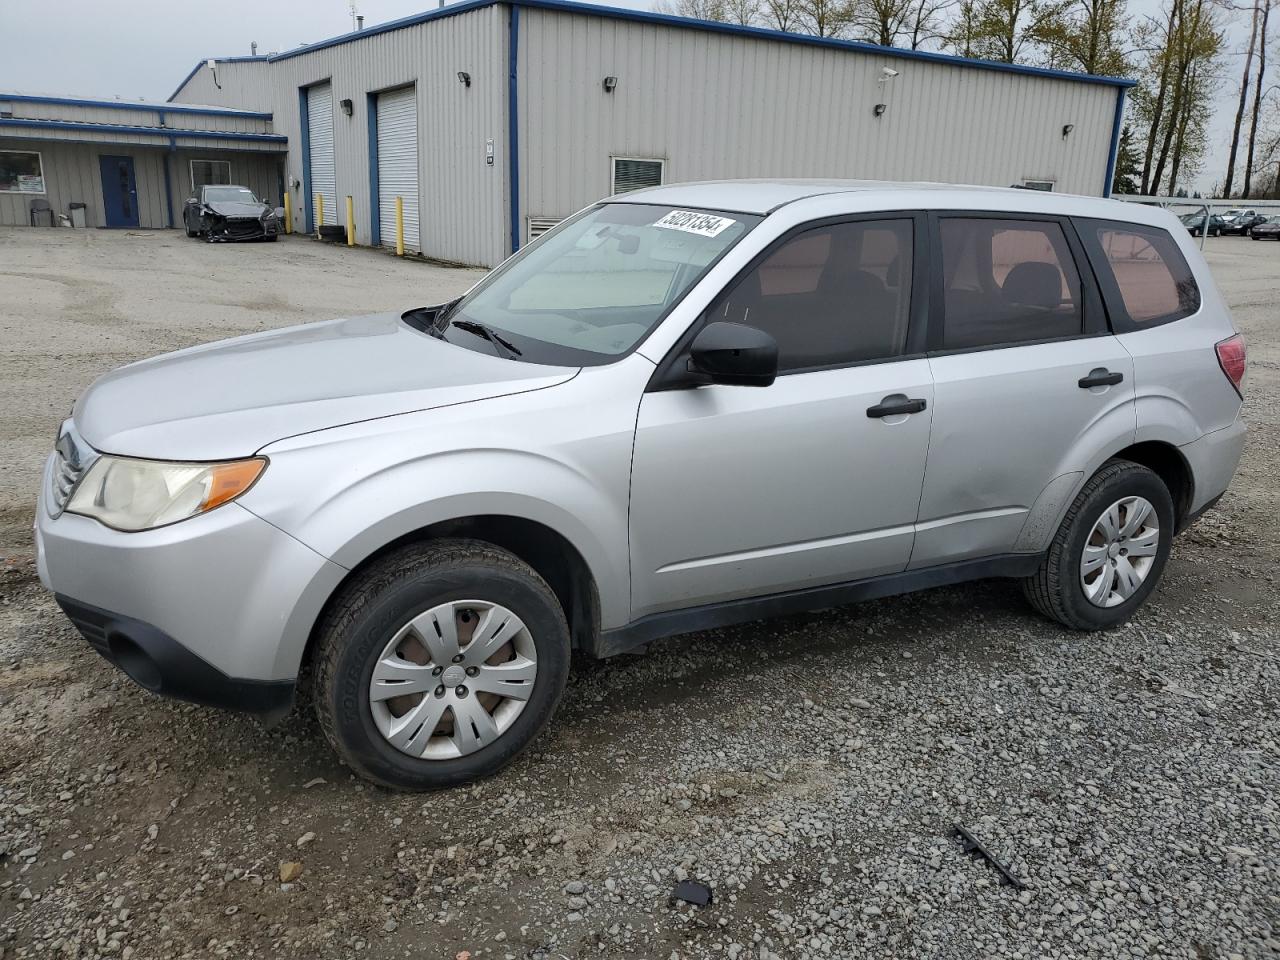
column 399, row 227
column 319, row 214
column 288, row 213
column 351, row 223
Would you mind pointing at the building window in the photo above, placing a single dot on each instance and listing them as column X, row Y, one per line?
column 209, row 173
column 630, row 174
column 1046, row 185
column 21, row 172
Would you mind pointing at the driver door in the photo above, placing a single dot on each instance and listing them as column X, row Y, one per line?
column 748, row 491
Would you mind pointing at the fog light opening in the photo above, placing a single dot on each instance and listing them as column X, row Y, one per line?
column 134, row 661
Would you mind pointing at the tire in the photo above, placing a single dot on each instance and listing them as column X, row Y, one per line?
column 1057, row 589
column 190, row 232
column 273, row 238
column 359, row 632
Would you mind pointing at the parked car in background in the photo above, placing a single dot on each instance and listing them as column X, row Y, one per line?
column 1268, row 228
column 223, row 213
column 684, row 407
column 1240, row 222
column 1195, row 224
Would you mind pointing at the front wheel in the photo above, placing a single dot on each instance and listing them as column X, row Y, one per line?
column 1109, row 552
column 439, row 664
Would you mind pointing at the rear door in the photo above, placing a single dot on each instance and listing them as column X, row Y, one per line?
column 748, row 491
column 1029, row 385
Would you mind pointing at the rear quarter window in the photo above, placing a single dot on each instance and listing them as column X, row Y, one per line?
column 1144, row 275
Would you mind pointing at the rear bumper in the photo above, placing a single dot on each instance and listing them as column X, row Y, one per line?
column 1213, row 460
column 154, row 660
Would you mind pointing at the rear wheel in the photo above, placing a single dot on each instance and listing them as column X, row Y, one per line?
column 1109, row 552
column 439, row 664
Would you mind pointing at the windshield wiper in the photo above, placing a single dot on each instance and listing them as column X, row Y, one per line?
column 501, row 344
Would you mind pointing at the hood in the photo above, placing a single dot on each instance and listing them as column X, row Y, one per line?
column 234, row 208
column 230, row 399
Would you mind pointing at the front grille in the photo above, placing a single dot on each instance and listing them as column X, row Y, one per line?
column 71, row 460
column 65, row 478
column 242, row 226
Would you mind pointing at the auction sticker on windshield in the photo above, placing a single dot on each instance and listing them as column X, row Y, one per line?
column 703, row 224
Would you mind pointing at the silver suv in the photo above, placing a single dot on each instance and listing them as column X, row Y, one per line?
column 684, row 407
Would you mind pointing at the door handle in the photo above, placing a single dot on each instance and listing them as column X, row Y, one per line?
column 895, row 406
column 1101, row 377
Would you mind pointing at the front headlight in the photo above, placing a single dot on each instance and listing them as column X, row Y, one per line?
column 133, row 495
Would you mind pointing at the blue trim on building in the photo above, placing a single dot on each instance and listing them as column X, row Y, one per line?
column 196, row 69
column 146, row 131
column 513, row 122
column 375, row 211
column 1114, row 155
column 304, row 118
column 131, row 105
column 689, row 23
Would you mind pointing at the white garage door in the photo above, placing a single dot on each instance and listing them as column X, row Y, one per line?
column 324, row 180
column 398, row 164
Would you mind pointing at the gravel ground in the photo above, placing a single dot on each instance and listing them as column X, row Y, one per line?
column 810, row 769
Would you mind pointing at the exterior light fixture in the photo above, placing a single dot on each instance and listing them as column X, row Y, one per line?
column 887, row 74
column 610, row 84
column 1066, row 130
column 879, row 109
column 346, row 106
column 464, row 78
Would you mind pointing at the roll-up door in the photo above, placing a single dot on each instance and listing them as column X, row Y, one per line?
column 398, row 164
column 324, row 180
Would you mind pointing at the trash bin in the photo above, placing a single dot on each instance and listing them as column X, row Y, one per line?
column 77, row 214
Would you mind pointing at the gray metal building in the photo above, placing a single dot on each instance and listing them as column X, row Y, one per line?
column 129, row 164
column 493, row 119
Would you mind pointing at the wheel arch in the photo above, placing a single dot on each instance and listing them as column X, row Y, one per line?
column 1167, row 462
column 547, row 551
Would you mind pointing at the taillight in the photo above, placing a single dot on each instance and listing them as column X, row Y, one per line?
column 1231, row 359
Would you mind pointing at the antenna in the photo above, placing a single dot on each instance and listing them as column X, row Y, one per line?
column 352, row 7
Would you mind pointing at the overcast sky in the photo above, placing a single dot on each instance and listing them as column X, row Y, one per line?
column 143, row 48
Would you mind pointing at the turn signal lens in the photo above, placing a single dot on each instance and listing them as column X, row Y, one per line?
column 228, row 480
column 1231, row 357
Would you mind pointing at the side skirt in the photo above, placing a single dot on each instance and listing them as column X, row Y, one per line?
column 729, row 612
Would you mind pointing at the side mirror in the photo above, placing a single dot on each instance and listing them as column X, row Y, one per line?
column 735, row 354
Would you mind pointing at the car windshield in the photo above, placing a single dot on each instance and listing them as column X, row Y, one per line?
column 1233, row 213
column 229, row 195
column 593, row 287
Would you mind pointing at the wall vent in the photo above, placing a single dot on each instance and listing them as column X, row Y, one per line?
column 538, row 226
column 631, row 173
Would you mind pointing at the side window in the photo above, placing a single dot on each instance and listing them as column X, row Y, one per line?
column 1006, row 282
column 1150, row 273
column 831, row 295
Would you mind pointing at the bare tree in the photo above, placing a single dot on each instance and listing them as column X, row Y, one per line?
column 1244, row 95
column 697, row 9
column 1258, row 94
column 882, row 21
column 928, row 21
column 781, row 14
column 825, row 18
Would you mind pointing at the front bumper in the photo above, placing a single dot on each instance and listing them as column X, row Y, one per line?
column 154, row 660
column 246, row 228
column 219, row 604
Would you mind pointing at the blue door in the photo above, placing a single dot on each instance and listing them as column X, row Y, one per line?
column 119, row 192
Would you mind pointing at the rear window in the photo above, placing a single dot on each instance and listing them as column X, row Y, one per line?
column 1152, row 278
